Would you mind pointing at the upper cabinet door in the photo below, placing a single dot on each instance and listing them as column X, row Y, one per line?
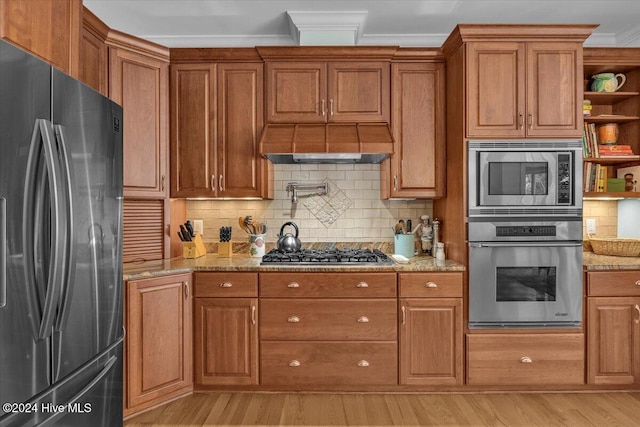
column 296, row 92
column 48, row 29
column 554, row 89
column 495, row 89
column 140, row 84
column 193, row 130
column 418, row 125
column 359, row 91
column 240, row 123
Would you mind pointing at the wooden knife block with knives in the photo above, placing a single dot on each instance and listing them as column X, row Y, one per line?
column 195, row 248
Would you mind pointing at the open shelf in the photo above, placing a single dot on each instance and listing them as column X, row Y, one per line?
column 612, row 118
column 611, row 194
column 612, row 161
column 606, row 98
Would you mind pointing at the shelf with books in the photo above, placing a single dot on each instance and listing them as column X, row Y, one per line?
column 606, row 165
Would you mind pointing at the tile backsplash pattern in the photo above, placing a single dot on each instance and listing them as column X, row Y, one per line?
column 605, row 212
column 352, row 211
column 327, row 208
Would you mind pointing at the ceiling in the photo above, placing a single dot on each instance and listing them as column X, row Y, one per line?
column 236, row 23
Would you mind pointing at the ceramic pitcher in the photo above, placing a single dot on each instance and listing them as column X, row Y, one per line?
column 607, row 82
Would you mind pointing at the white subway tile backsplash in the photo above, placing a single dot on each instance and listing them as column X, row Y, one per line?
column 351, row 211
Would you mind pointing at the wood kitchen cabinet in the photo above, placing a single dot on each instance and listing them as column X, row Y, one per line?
column 158, row 364
column 613, row 327
column 226, row 330
column 310, row 92
column 94, row 54
column 524, row 89
column 139, row 81
column 328, row 330
column 417, row 168
column 431, row 333
column 48, row 29
column 217, row 118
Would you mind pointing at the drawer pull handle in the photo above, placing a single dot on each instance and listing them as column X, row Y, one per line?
column 637, row 307
column 638, row 283
column 363, row 363
column 362, row 285
column 526, row 359
column 293, row 319
column 226, row 285
column 404, row 315
column 430, row 285
column 253, row 314
column 293, row 285
column 294, row 363
column 363, row 319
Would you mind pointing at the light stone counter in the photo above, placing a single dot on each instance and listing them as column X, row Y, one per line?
column 592, row 261
column 243, row 262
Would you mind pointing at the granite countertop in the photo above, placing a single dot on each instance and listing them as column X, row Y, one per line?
column 244, row 262
column 592, row 261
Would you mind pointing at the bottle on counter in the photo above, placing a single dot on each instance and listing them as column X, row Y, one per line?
column 436, row 234
column 440, row 256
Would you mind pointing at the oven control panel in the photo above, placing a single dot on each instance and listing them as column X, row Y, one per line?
column 525, row 230
column 564, row 178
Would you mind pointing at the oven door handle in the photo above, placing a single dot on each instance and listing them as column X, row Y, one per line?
column 521, row 244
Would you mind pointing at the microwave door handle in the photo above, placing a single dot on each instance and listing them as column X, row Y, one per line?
column 525, row 244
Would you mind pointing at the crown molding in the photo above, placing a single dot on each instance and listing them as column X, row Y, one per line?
column 409, row 40
column 326, row 27
column 601, row 40
column 180, row 41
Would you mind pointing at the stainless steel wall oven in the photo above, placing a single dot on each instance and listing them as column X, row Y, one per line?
column 525, row 233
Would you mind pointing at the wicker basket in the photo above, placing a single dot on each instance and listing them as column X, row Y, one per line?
column 616, row 247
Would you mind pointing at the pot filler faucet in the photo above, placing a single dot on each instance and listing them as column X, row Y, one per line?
column 318, row 189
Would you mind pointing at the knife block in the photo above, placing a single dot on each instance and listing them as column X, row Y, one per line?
column 195, row 248
column 225, row 249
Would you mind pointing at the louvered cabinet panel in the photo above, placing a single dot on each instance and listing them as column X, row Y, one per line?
column 143, row 230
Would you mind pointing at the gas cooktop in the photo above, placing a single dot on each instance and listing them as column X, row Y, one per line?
column 327, row 257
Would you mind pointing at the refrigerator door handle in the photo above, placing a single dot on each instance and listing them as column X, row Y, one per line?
column 68, row 242
column 3, row 252
column 55, row 275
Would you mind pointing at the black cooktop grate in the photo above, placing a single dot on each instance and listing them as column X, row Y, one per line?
column 327, row 257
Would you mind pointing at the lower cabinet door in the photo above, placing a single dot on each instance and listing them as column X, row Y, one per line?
column 431, row 346
column 294, row 363
column 525, row 359
column 226, row 341
column 159, row 362
column 614, row 340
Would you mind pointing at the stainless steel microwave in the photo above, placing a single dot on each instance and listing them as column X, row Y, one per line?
column 525, row 178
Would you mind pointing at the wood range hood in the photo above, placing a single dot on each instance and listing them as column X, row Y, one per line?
column 326, row 142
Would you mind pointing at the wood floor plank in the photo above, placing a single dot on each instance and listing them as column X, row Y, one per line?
column 352, row 409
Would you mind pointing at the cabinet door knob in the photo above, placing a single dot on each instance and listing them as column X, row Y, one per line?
column 363, row 319
column 293, row 319
column 362, row 285
column 526, row 359
column 294, row 363
column 363, row 363
column 226, row 284
column 293, row 285
column 431, row 285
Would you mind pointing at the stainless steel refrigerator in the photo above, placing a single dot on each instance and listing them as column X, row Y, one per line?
column 60, row 248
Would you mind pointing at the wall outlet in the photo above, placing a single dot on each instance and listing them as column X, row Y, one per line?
column 198, row 226
column 591, row 226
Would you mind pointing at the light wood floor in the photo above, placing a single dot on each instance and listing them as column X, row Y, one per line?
column 292, row 409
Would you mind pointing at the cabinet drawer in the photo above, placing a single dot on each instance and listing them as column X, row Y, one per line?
column 330, row 363
column 225, row 284
column 322, row 319
column 328, row 285
column 436, row 285
column 614, row 283
column 525, row 359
